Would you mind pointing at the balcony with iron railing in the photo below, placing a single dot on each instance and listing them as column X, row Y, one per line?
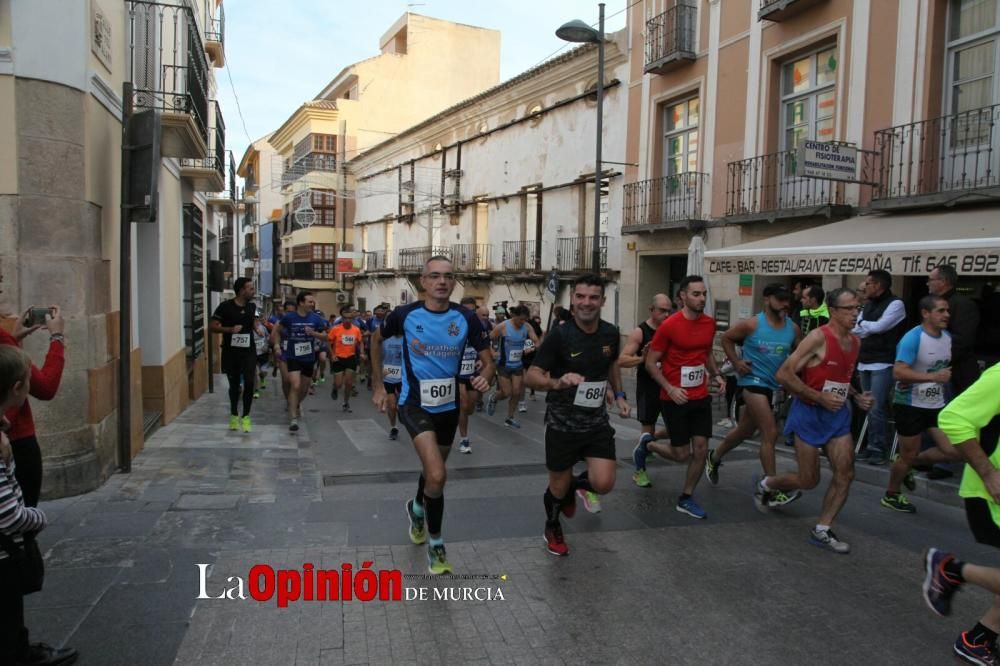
column 215, row 33
column 308, row 270
column 576, row 254
column 249, row 253
column 769, row 187
column 412, row 260
column 226, row 197
column 472, row 257
column 169, row 74
column 941, row 161
column 378, row 261
column 670, row 37
column 311, row 163
column 208, row 174
column 781, row 10
column 673, row 202
column 522, row 256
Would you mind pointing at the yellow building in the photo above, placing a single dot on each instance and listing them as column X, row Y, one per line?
column 365, row 104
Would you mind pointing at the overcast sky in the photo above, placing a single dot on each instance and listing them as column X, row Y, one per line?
column 280, row 54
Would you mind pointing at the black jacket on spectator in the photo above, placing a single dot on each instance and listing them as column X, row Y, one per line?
column 880, row 347
column 962, row 325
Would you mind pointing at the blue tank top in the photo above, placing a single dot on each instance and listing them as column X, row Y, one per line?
column 299, row 343
column 766, row 349
column 392, row 360
column 513, row 346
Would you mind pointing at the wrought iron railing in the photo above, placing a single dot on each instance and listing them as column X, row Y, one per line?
column 949, row 154
column 472, row 257
column 379, row 260
column 522, row 256
column 670, row 201
column 215, row 24
column 576, row 254
column 413, row 259
column 167, row 63
column 768, row 184
column 672, row 32
column 308, row 163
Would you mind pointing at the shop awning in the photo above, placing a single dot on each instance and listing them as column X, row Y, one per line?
column 902, row 245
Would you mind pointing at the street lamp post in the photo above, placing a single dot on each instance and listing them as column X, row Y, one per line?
column 579, row 32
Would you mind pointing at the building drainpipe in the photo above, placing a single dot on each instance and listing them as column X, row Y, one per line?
column 125, row 299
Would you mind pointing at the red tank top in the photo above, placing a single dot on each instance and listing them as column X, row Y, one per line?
column 833, row 374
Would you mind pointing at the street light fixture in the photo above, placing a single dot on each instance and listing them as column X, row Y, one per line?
column 579, row 32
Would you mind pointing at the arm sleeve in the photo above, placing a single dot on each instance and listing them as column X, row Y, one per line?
column 217, row 315
column 906, row 350
column 967, row 414
column 45, row 381
column 547, row 355
column 895, row 313
column 15, row 518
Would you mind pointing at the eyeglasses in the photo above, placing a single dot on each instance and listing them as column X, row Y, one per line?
column 434, row 277
column 857, row 308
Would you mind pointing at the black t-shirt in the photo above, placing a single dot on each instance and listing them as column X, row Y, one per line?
column 568, row 349
column 643, row 381
column 230, row 314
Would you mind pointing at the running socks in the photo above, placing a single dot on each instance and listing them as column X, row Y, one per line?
column 980, row 634
column 419, row 499
column 434, row 507
column 552, row 506
column 581, row 482
column 952, row 568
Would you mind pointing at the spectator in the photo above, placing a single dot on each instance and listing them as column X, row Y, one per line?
column 881, row 326
column 799, row 287
column 962, row 326
column 17, row 522
column 44, row 384
column 814, row 311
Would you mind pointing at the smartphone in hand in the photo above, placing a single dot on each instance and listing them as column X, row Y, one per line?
column 36, row 317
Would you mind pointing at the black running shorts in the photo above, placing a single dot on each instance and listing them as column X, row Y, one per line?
column 418, row 421
column 393, row 389
column 564, row 449
column 341, row 364
column 977, row 512
column 305, row 367
column 692, row 419
column 911, row 421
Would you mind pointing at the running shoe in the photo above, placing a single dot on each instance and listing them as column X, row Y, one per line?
column 417, row 533
column 246, row 424
column 347, row 407
column 828, row 540
column 691, row 508
column 779, row 498
column 521, row 407
column 294, row 425
column 760, row 496
column 984, row 654
column 910, row 481
column 512, row 423
column 642, row 479
column 591, row 500
column 394, row 434
column 938, row 586
column 256, row 395
column 554, row 540
column 464, row 446
column 491, row 403
column 640, row 452
column 437, row 561
column 333, row 393
column 898, row 503
column 234, row 423
column 712, row 468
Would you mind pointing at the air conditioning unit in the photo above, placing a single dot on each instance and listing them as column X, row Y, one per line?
column 342, row 297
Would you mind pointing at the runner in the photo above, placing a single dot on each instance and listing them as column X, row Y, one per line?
column 392, row 378
column 922, row 369
column 820, row 416
column 971, row 422
column 511, row 335
column 469, row 396
column 767, row 340
column 345, row 340
column 647, row 391
column 322, row 349
column 435, row 332
column 234, row 319
column 575, row 365
column 262, row 347
column 683, row 345
column 278, row 353
column 301, row 327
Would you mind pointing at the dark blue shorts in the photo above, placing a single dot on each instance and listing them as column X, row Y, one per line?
column 815, row 425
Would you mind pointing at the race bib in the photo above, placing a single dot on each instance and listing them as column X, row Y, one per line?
column 347, row 340
column 468, row 366
column 839, row 388
column 241, row 340
column 692, row 376
column 261, row 344
column 392, row 373
column 303, row 348
column 928, row 394
column 514, row 355
column 590, row 394
column 437, row 392
column 284, row 345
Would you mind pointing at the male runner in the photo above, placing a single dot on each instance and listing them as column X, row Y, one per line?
column 234, row 318
column 647, row 391
column 435, row 332
column 262, row 347
column 469, row 396
column 301, row 327
column 511, row 335
column 683, row 345
column 278, row 353
column 818, row 375
column 767, row 340
column 574, row 365
column 322, row 356
column 971, row 422
column 922, row 369
column 346, row 344
column 392, row 378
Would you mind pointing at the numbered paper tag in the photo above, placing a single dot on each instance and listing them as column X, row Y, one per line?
column 840, row 388
column 590, row 394
column 437, row 392
column 928, row 394
column 261, row 344
column 241, row 340
column 303, row 348
column 514, row 355
column 692, row 376
column 392, row 373
column 468, row 367
column 347, row 340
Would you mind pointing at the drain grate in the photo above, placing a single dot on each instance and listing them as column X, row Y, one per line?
column 459, row 474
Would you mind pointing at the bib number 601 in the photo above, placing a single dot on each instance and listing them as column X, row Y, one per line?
column 440, row 391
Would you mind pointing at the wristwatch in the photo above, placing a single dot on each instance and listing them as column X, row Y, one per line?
column 621, row 394
column 57, row 336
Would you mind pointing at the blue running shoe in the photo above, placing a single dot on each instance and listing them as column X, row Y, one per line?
column 640, row 451
column 691, row 508
column 938, row 586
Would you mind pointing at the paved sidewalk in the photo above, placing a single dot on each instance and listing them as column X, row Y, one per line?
column 643, row 583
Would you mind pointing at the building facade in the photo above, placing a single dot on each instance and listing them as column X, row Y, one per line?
column 64, row 65
column 262, row 202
